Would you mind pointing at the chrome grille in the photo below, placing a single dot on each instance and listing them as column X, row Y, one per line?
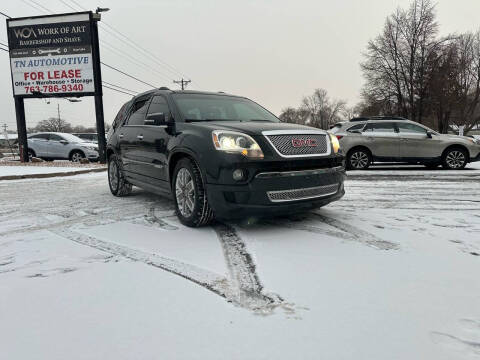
column 284, row 144
column 302, row 194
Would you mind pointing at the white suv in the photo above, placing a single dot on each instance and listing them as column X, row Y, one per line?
column 53, row 146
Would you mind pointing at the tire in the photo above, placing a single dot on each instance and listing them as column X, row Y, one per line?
column 191, row 203
column 31, row 154
column 358, row 159
column 454, row 159
column 76, row 155
column 116, row 179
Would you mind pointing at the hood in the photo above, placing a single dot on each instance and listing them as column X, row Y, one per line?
column 455, row 137
column 254, row 127
column 87, row 143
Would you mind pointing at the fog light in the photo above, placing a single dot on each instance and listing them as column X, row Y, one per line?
column 238, row 175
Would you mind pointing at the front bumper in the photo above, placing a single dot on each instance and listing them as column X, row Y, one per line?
column 475, row 158
column 277, row 193
column 91, row 154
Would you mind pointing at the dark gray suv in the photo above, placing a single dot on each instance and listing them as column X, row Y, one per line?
column 368, row 140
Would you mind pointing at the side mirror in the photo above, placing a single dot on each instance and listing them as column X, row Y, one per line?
column 429, row 134
column 64, row 142
column 155, row 119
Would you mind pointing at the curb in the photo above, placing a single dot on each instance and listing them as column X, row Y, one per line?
column 49, row 175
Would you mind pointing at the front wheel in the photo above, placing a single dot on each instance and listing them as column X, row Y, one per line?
column 358, row 159
column 116, row 180
column 77, row 156
column 454, row 159
column 191, row 202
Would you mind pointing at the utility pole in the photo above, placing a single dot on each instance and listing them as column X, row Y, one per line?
column 5, row 128
column 58, row 112
column 182, row 82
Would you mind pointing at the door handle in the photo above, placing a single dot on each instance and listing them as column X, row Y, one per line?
column 120, row 136
column 140, row 137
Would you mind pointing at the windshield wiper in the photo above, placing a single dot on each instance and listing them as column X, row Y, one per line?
column 200, row 120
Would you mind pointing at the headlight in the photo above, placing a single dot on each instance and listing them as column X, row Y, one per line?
column 335, row 143
column 236, row 143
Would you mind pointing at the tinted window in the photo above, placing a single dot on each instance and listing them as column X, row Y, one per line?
column 39, row 136
column 410, row 128
column 138, row 112
column 120, row 116
column 159, row 106
column 380, row 127
column 54, row 137
column 356, row 127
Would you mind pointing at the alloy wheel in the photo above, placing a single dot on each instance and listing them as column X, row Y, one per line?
column 185, row 192
column 455, row 159
column 76, row 157
column 359, row 160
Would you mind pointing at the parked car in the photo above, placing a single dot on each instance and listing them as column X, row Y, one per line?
column 53, row 146
column 387, row 139
column 91, row 137
column 221, row 156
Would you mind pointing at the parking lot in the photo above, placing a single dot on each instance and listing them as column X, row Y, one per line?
column 389, row 272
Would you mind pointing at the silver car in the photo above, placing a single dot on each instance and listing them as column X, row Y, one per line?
column 369, row 140
column 53, row 146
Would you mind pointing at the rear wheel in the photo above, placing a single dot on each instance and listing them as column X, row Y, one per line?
column 116, row 179
column 191, row 202
column 454, row 159
column 358, row 159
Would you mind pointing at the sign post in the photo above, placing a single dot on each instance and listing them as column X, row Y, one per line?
column 55, row 56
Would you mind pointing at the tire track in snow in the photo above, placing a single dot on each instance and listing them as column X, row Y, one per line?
column 249, row 290
column 207, row 279
column 357, row 234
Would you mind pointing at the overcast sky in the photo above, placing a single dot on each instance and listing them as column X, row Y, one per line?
column 272, row 51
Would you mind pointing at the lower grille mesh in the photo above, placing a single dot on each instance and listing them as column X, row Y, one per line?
column 302, row 194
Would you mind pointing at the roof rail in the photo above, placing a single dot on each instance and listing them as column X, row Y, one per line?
column 164, row 88
column 365, row 118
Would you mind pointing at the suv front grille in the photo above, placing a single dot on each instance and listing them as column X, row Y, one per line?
column 290, row 145
column 302, row 194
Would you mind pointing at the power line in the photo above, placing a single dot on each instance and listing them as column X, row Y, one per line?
column 33, row 6
column 133, row 60
column 41, row 6
column 4, row 44
column 1, row 13
column 130, row 76
column 132, row 91
column 66, row 4
column 4, row 49
column 120, row 91
column 125, row 37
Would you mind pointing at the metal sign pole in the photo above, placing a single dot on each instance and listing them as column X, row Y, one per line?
column 102, row 141
column 21, row 128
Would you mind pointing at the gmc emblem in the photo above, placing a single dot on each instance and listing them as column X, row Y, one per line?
column 304, row 143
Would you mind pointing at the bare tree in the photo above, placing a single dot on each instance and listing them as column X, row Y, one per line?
column 53, row 124
column 321, row 109
column 396, row 66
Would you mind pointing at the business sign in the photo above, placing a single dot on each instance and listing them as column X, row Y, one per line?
column 51, row 55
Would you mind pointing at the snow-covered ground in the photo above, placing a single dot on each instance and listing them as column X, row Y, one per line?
column 389, row 272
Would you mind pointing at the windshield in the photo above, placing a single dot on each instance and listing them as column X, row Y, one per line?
column 72, row 138
column 201, row 107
